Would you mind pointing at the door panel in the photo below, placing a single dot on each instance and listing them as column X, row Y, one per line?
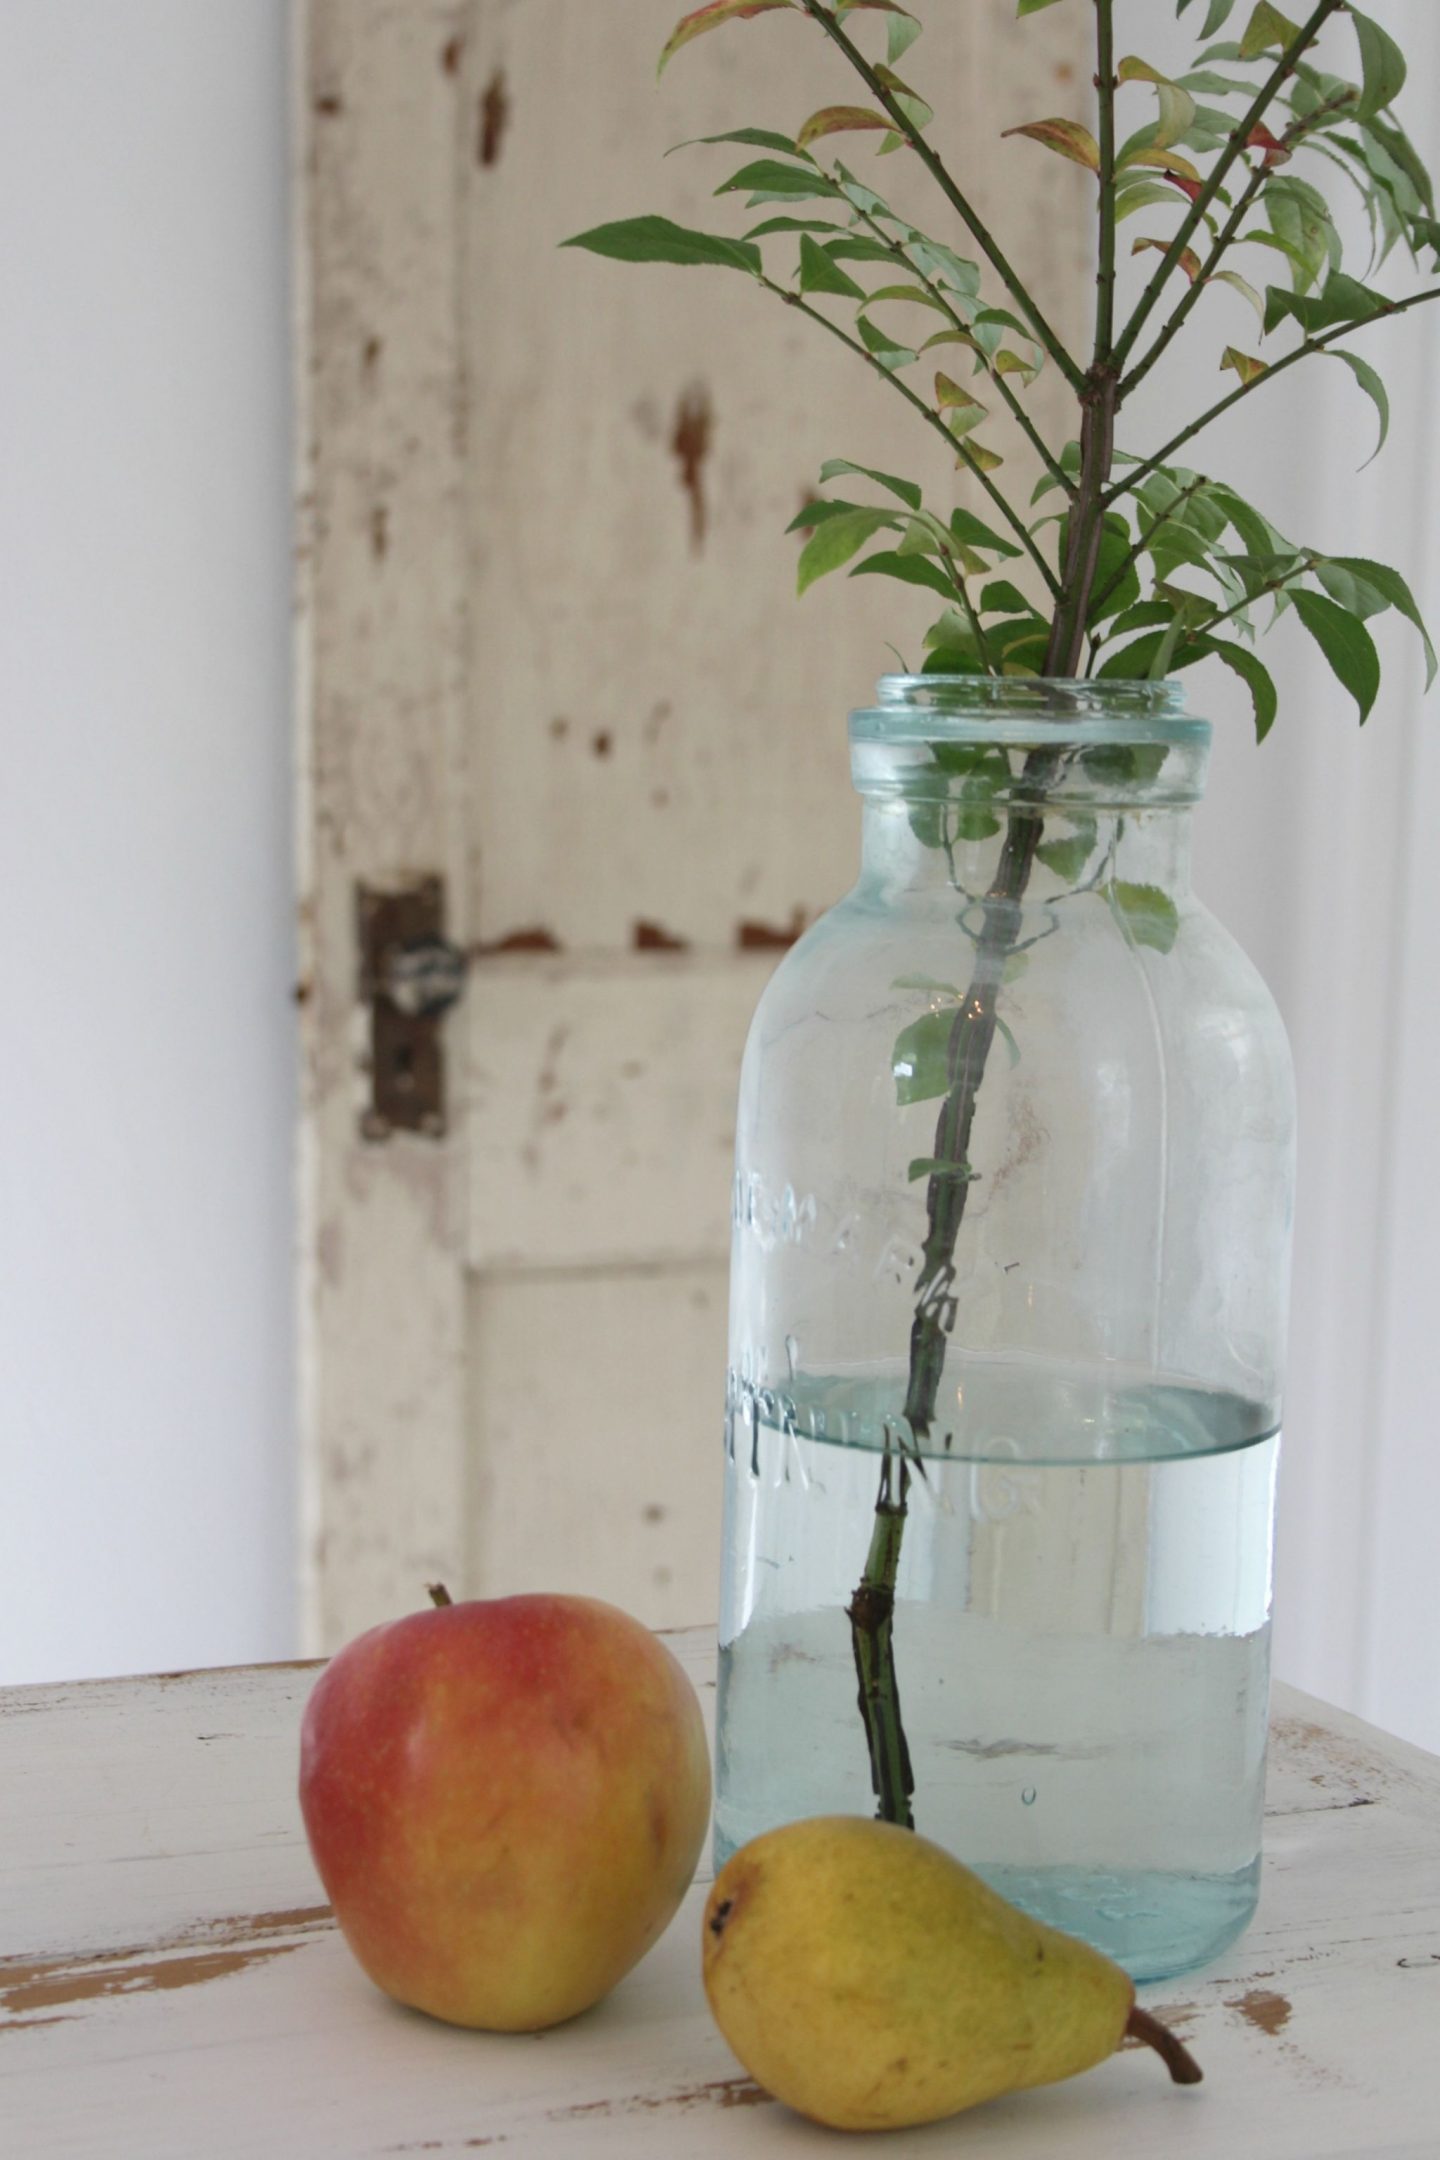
column 601, row 1101
column 596, row 1426
column 553, row 653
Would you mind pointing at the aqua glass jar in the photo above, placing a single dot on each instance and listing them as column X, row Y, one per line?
column 1008, row 1305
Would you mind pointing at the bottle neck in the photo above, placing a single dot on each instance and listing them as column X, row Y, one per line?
column 1026, row 785
column 911, row 849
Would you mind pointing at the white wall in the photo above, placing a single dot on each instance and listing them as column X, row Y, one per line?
column 146, row 1423
column 1313, row 849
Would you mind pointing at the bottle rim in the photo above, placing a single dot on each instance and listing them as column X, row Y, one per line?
column 1026, row 709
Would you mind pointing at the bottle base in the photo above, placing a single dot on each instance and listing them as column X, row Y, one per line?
column 1154, row 1924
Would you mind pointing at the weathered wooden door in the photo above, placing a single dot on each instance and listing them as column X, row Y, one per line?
column 552, row 656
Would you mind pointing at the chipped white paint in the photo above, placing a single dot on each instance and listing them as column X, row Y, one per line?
column 382, row 701
column 553, row 653
column 171, row 1982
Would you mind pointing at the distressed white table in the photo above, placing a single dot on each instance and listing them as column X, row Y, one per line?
column 172, row 1985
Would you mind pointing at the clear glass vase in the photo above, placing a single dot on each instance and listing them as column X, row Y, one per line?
column 1008, row 1303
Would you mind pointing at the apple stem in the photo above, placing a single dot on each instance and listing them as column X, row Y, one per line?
column 1172, row 2051
column 439, row 1595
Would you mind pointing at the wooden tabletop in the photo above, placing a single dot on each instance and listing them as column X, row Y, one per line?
column 172, row 1985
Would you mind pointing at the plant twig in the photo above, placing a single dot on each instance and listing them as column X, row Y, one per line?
column 1012, row 517
column 969, row 216
column 1240, row 135
column 1298, row 569
column 972, row 1033
column 1107, row 86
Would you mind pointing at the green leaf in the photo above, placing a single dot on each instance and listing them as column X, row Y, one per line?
column 769, row 180
column 1142, row 195
column 835, row 542
column 819, row 511
column 1141, row 617
column 1239, row 284
column 1397, row 594
column 1341, row 300
column 1146, row 914
column 1067, row 858
column 1347, row 646
column 1245, row 365
column 1067, row 137
column 971, row 531
column 1300, row 222
column 910, row 569
column 1256, row 533
column 820, row 273
column 1177, row 107
column 1266, row 29
column 840, row 120
column 951, row 396
column 1219, row 15
column 931, row 1166
column 901, row 32
column 916, row 295
column 792, row 224
column 1033, row 7
column 983, row 762
column 1147, row 657
column 757, row 138
column 953, row 660
column 1257, row 678
column 941, row 264
column 1002, row 598
column 1382, row 67
column 1119, row 591
column 907, row 491
column 927, row 983
column 710, row 17
column 1374, row 389
column 856, row 248
column 883, row 347
column 927, row 821
column 920, row 1060
column 1124, row 764
column 656, row 239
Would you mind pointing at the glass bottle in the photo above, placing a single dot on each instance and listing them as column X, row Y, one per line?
column 1008, row 1304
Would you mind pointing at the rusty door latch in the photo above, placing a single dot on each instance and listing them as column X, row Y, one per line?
column 410, row 976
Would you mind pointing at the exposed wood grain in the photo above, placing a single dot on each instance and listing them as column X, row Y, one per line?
column 170, row 1982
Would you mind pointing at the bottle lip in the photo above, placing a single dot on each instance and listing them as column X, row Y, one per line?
column 1026, row 709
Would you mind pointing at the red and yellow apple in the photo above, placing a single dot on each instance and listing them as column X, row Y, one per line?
column 505, row 1800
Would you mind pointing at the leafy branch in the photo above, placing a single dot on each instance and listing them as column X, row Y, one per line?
column 997, row 375
column 1119, row 564
column 965, row 454
column 1322, row 343
column 1240, row 136
column 904, row 124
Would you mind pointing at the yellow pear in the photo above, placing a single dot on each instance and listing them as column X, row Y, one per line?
column 868, row 1980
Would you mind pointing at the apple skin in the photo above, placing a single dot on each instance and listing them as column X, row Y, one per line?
column 505, row 1800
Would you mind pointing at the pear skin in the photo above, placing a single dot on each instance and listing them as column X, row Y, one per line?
column 869, row 1981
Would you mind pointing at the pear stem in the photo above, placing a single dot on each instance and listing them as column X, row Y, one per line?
column 1173, row 2052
